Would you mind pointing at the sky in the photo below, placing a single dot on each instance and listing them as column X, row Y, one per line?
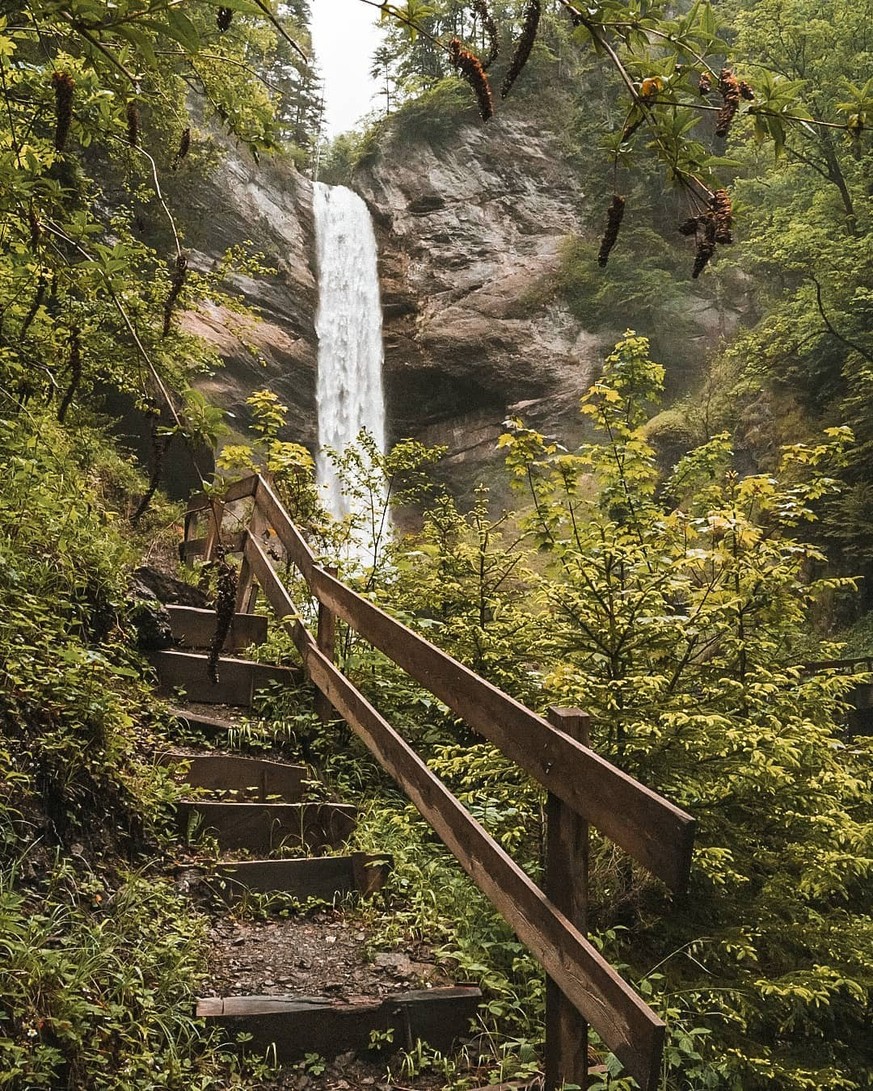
column 344, row 37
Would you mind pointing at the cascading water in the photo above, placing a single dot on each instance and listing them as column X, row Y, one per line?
column 349, row 327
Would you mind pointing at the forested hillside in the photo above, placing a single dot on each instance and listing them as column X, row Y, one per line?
column 626, row 270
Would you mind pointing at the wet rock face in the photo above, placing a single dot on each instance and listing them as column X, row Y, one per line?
column 470, row 232
column 267, row 205
column 469, row 229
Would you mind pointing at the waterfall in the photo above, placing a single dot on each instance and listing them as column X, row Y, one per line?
column 349, row 327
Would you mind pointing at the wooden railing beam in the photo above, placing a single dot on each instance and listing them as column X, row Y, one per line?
column 622, row 1019
column 654, row 831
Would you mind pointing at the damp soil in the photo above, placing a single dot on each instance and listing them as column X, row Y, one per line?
column 330, row 954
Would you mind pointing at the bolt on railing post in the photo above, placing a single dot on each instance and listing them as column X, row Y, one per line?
column 566, row 886
column 325, row 638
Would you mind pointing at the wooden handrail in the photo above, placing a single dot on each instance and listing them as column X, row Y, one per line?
column 655, row 832
column 650, row 828
column 623, row 1020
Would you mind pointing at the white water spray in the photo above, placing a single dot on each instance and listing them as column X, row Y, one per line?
column 349, row 327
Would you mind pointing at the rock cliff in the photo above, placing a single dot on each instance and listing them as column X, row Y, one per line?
column 268, row 207
column 470, row 226
column 471, row 221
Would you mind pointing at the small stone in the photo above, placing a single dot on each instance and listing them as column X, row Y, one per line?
column 238, row 941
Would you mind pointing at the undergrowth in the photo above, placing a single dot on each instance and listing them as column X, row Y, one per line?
column 100, row 960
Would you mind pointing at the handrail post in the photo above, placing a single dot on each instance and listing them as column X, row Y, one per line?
column 246, row 588
column 326, row 639
column 566, row 886
column 215, row 517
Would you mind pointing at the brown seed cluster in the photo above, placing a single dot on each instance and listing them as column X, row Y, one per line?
column 711, row 228
column 614, row 216
column 746, row 91
column 35, row 228
column 224, row 17
column 490, row 28
column 532, row 14
column 180, row 271
column 630, row 128
column 225, row 602
column 183, row 149
column 160, row 443
column 705, row 245
column 64, row 86
column 729, row 86
column 74, row 364
column 133, row 124
column 470, row 67
column 35, row 304
column 704, row 85
column 723, row 215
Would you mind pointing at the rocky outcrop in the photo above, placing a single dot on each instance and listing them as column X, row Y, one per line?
column 267, row 206
column 470, row 231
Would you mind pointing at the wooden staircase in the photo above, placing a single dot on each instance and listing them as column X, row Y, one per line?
column 583, row 789
column 258, row 808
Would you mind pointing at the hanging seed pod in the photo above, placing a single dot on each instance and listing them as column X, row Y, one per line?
column 133, row 124
column 36, row 303
column 689, row 226
column 183, row 149
column 704, row 84
column 490, row 28
column 472, row 71
column 180, row 271
column 160, row 443
column 629, row 129
column 524, row 46
column 705, row 244
column 35, row 228
column 74, row 363
column 729, row 87
column 614, row 216
column 64, row 86
column 746, row 91
column 722, row 212
column 223, row 18
column 225, row 601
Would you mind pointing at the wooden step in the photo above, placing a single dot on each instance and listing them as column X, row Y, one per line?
column 238, row 679
column 322, row 877
column 232, row 773
column 267, row 827
column 195, row 628
column 207, row 725
column 298, row 1025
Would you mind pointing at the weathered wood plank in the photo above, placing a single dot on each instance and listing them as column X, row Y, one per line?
column 274, row 590
column 237, row 678
column 239, row 490
column 196, row 547
column 654, row 831
column 624, row 1022
column 290, row 537
column 299, row 1025
column 265, row 827
column 322, row 877
column 209, row 725
column 326, row 640
column 191, row 547
column 233, row 773
column 195, row 627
